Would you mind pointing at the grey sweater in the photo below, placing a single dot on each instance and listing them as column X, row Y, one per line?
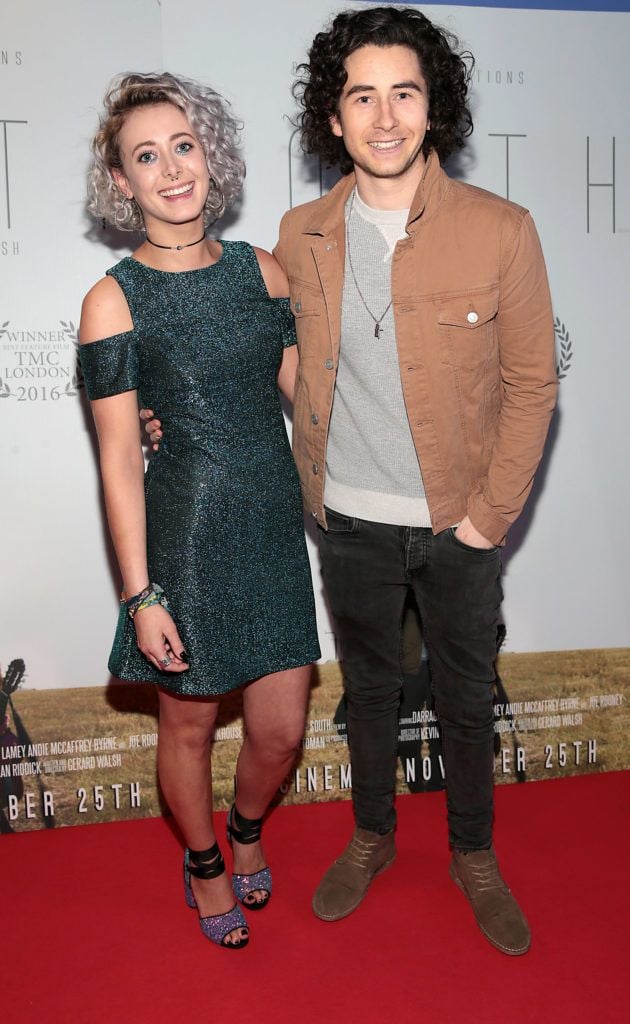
column 372, row 469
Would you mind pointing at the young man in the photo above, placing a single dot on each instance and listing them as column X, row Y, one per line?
column 425, row 389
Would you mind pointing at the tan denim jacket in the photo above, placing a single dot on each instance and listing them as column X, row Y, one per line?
column 475, row 338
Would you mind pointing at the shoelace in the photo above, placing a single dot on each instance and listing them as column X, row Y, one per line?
column 486, row 877
column 360, row 851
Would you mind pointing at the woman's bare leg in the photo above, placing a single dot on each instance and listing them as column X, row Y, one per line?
column 274, row 709
column 184, row 738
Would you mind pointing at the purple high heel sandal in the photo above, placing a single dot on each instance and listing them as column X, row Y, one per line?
column 210, row 864
column 247, row 831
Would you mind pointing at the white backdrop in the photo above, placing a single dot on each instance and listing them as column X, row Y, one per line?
column 550, row 80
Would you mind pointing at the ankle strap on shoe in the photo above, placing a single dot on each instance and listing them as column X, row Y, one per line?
column 206, row 863
column 244, row 830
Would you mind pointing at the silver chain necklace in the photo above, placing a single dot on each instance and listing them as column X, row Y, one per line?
column 377, row 320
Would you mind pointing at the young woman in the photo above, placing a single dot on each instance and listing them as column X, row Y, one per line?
column 210, row 543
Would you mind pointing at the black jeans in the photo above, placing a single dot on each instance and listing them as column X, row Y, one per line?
column 367, row 569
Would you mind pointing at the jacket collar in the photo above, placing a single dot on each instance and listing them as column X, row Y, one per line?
column 329, row 211
column 430, row 193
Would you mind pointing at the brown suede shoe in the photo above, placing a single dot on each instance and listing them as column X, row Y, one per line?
column 345, row 883
column 497, row 912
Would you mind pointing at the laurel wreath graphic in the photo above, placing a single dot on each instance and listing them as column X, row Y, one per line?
column 72, row 388
column 5, row 390
column 566, row 348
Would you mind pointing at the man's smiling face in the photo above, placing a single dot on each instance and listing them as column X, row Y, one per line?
column 383, row 113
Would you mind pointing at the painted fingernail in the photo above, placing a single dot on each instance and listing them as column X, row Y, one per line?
column 183, row 656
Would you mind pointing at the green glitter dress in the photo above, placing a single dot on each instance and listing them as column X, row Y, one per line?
column 225, row 533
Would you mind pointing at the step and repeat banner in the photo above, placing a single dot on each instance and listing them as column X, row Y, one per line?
column 550, row 101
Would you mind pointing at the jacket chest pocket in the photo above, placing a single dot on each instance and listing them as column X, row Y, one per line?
column 466, row 328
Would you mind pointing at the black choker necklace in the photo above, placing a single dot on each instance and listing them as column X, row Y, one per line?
column 178, row 247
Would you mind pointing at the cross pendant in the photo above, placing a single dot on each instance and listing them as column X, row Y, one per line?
column 377, row 330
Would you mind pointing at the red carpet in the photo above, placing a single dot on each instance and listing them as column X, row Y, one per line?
column 94, row 927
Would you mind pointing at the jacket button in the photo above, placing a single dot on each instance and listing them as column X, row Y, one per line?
column 298, row 307
column 315, row 469
column 315, row 418
column 329, row 364
column 472, row 317
column 330, row 247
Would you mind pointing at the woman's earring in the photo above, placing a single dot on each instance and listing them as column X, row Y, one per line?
column 124, row 211
column 216, row 203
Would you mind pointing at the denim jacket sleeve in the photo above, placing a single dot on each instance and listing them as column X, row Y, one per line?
column 529, row 384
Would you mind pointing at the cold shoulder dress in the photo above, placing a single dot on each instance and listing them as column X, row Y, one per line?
column 225, row 531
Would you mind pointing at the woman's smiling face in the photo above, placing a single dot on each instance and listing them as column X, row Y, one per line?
column 164, row 165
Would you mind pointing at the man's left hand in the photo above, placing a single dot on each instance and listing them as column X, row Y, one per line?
column 153, row 427
column 469, row 534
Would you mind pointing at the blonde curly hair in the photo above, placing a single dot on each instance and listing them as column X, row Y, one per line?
column 207, row 113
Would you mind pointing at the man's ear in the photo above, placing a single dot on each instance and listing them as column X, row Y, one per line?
column 335, row 126
column 121, row 180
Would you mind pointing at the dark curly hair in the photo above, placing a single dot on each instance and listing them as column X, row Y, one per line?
column 447, row 74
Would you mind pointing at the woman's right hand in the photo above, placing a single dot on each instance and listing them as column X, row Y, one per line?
column 159, row 640
column 153, row 427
